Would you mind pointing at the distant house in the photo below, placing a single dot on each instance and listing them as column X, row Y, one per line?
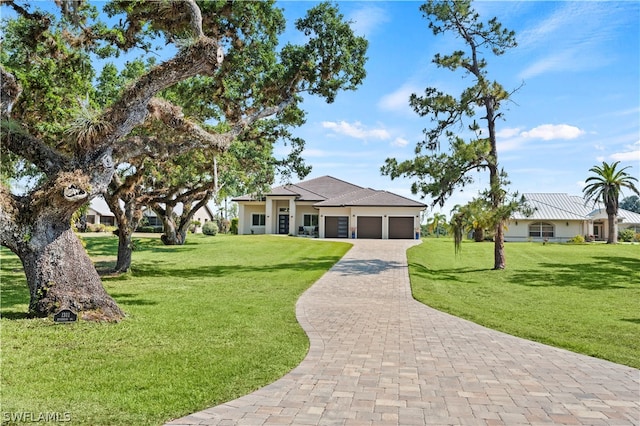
column 202, row 215
column 327, row 207
column 99, row 213
column 560, row 217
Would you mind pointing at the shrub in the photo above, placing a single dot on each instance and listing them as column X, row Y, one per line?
column 149, row 229
column 210, row 228
column 636, row 238
column 234, row 226
column 626, row 235
column 578, row 239
column 96, row 227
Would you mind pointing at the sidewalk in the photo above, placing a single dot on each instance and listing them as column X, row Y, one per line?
column 378, row 357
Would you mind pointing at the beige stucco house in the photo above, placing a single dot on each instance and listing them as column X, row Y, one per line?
column 560, row 217
column 327, row 207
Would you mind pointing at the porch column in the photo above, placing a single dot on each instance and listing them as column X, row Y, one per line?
column 241, row 219
column 268, row 220
column 293, row 228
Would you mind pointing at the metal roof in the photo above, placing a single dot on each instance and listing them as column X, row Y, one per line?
column 555, row 206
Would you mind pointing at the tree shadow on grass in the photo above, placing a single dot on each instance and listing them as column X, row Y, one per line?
column 451, row 274
column 606, row 273
column 161, row 269
column 131, row 299
column 365, row 267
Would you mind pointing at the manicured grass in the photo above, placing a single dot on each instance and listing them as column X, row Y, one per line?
column 585, row 298
column 206, row 322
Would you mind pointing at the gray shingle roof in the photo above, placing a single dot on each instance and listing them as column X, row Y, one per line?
column 328, row 191
column 367, row 197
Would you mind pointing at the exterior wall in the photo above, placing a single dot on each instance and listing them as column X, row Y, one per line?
column 203, row 216
column 94, row 217
column 385, row 212
column 245, row 211
column 334, row 211
column 302, row 209
column 563, row 230
column 296, row 211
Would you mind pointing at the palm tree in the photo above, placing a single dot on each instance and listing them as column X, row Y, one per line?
column 435, row 222
column 605, row 186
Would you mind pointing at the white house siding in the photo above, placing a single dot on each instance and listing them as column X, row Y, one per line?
column 384, row 212
column 334, row 211
column 246, row 211
column 564, row 230
column 335, row 202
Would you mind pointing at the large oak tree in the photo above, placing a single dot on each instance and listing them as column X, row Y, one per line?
column 51, row 124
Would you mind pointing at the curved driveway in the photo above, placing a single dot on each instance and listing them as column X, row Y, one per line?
column 379, row 357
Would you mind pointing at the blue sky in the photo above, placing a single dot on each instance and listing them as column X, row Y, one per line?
column 576, row 70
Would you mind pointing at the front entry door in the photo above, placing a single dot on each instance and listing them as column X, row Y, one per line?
column 598, row 233
column 283, row 224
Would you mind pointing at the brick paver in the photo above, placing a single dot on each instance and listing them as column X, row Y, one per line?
column 378, row 357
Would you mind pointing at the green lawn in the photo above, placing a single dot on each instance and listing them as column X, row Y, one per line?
column 585, row 298
column 206, row 322
column 214, row 319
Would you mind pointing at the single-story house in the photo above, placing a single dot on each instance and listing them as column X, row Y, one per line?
column 202, row 215
column 560, row 217
column 99, row 213
column 327, row 207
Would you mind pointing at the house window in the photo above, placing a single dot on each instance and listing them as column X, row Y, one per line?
column 258, row 219
column 541, row 230
column 310, row 220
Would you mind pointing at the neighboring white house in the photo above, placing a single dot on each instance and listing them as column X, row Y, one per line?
column 99, row 213
column 327, row 207
column 560, row 217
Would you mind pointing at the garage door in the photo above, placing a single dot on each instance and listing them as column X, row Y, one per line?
column 336, row 227
column 401, row 228
column 370, row 227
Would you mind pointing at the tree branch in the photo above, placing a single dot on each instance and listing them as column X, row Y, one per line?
column 9, row 92
column 202, row 58
column 16, row 139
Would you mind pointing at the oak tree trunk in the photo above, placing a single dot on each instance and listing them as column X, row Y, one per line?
column 125, row 249
column 60, row 275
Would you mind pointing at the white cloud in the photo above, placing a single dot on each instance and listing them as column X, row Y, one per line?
column 400, row 142
column 631, row 153
column 399, row 99
column 573, row 37
column 549, row 132
column 508, row 133
column 367, row 19
column 626, row 156
column 356, row 130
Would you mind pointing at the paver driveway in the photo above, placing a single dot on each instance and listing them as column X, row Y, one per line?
column 379, row 357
